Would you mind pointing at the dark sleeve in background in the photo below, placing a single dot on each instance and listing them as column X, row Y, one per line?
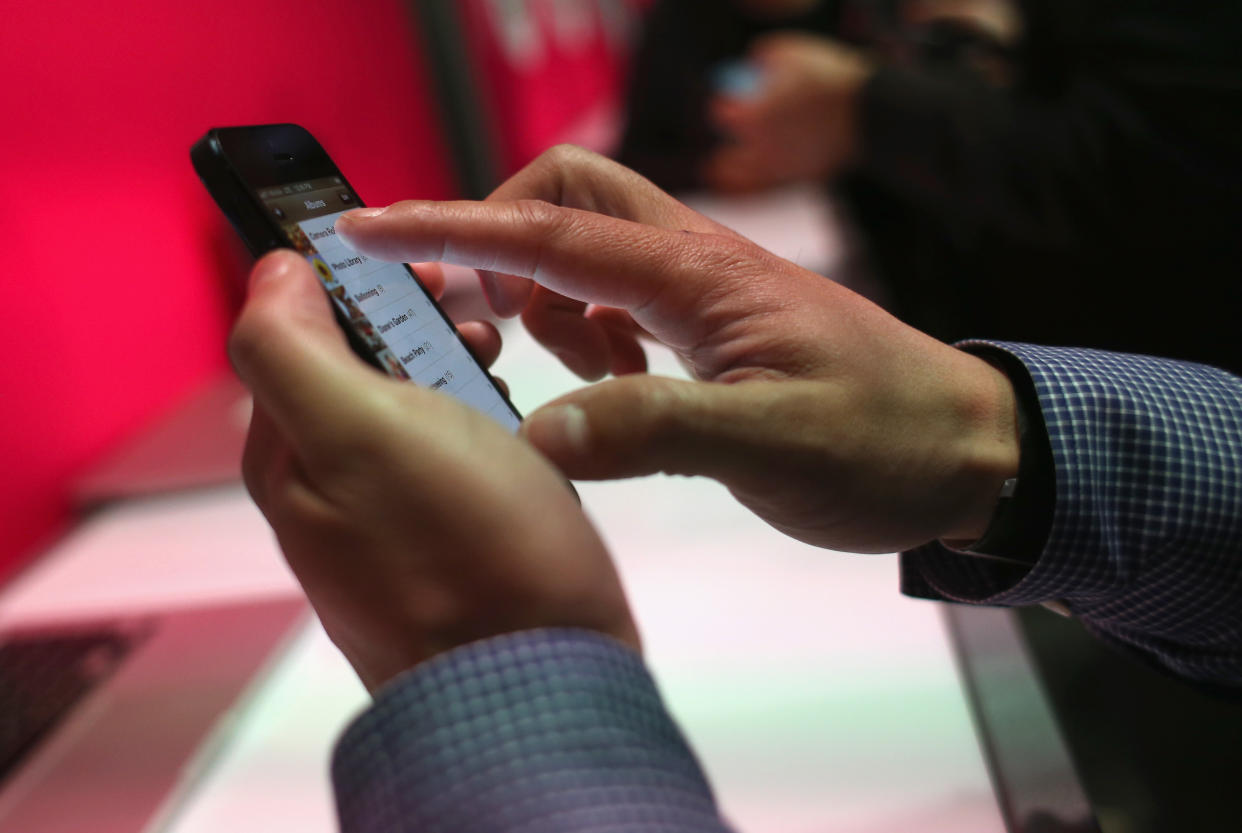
column 666, row 133
column 1095, row 203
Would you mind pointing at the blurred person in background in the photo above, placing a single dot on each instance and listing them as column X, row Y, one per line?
column 698, row 61
column 1061, row 172
column 689, row 50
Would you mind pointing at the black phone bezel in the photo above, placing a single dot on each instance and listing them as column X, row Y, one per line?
column 234, row 162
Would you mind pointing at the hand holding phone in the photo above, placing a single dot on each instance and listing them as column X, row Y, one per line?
column 414, row 523
column 279, row 188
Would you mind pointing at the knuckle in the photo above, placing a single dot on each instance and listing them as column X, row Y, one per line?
column 575, row 170
column 566, row 155
column 543, row 223
column 262, row 476
column 254, row 477
column 716, row 267
column 667, row 432
column 539, row 214
column 661, row 404
column 733, row 253
column 735, row 264
column 245, row 343
column 402, row 207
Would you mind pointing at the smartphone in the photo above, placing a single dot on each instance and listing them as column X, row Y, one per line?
column 279, row 188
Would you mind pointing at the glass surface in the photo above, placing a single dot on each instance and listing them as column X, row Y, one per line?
column 383, row 303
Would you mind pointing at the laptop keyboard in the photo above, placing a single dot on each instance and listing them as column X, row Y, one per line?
column 42, row 677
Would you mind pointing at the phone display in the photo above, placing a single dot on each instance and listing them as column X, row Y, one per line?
column 279, row 188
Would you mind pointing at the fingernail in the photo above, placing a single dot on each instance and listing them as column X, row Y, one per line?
column 488, row 280
column 363, row 213
column 502, row 304
column 342, row 228
column 271, row 266
column 559, row 431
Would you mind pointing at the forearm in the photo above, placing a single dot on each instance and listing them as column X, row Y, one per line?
column 666, row 135
column 989, row 162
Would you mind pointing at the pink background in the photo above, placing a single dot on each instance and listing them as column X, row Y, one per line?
column 120, row 274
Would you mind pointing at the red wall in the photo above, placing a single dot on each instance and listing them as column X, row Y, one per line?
column 120, row 277
column 548, row 69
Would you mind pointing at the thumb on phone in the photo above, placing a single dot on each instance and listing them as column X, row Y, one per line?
column 289, row 351
column 638, row 425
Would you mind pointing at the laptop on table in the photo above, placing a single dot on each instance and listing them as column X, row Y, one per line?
column 105, row 719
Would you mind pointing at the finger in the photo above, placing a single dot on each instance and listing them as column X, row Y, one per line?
column 617, row 319
column 289, row 351
column 559, row 324
column 431, row 276
column 590, row 342
column 660, row 276
column 484, row 340
column 507, row 295
column 627, row 354
column 640, row 425
column 575, row 178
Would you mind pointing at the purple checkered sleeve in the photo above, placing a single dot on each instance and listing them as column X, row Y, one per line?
column 1145, row 546
column 546, row 731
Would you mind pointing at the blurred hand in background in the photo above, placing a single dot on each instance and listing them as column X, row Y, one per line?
column 998, row 20
column 800, row 123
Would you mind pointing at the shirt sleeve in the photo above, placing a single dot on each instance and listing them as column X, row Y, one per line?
column 989, row 164
column 546, row 730
column 1145, row 540
column 667, row 134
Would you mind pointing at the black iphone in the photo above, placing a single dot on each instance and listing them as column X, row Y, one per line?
column 279, row 188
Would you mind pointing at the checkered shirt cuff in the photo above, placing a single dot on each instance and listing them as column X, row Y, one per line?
column 540, row 731
column 1145, row 545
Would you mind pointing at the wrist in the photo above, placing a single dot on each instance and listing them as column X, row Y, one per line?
column 1022, row 518
column 989, row 453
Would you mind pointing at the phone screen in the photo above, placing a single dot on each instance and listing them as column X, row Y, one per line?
column 383, row 303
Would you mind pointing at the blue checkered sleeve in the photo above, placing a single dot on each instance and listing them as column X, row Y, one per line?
column 535, row 732
column 1145, row 545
